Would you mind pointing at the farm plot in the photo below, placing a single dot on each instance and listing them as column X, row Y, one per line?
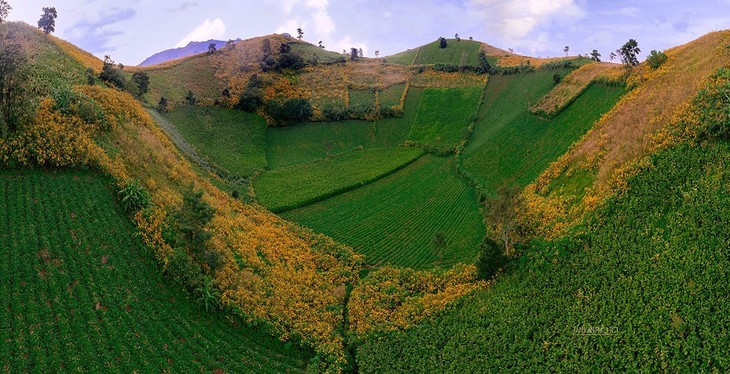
column 231, row 139
column 81, row 294
column 298, row 185
column 395, row 219
column 513, row 145
column 444, row 115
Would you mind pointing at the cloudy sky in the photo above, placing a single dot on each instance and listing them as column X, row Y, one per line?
column 132, row 30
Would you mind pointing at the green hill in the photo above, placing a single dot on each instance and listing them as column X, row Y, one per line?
column 464, row 52
column 81, row 293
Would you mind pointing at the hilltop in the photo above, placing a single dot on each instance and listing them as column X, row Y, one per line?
column 458, row 208
column 192, row 48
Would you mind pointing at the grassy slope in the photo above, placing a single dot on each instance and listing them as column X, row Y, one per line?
column 232, row 139
column 312, row 141
column 298, row 185
column 65, row 248
column 651, row 267
column 443, row 116
column 465, row 52
column 173, row 81
column 394, row 220
column 511, row 144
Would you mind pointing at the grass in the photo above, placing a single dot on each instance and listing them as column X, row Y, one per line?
column 512, row 145
column 311, row 141
column 232, row 139
column 298, row 185
column 81, row 293
column 390, row 97
column 403, row 58
column 443, row 116
column 311, row 52
column 465, row 52
column 362, row 101
column 648, row 270
column 173, row 81
column 395, row 219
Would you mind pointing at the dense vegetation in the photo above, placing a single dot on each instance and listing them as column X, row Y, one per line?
column 298, row 185
column 444, row 115
column 232, row 139
column 644, row 278
column 395, row 219
column 80, row 293
column 464, row 52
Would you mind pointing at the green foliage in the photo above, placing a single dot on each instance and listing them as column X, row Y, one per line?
column 142, row 80
column 491, row 259
column 183, row 270
column 484, row 64
column 47, row 23
column 362, row 103
column 90, row 76
column 595, row 55
column 557, row 78
column 162, row 105
column 14, row 102
column 656, row 59
column 68, row 102
column 191, row 221
column 512, row 144
column 394, row 219
column 629, row 52
column 443, row 43
column 5, row 8
column 190, row 98
column 84, row 295
column 209, row 295
column 639, row 287
column 231, row 139
column 112, row 75
column 134, row 197
column 439, row 244
column 294, row 186
column 714, row 107
column 252, row 96
column 443, row 115
column 289, row 111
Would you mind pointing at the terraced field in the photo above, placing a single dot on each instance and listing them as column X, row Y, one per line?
column 298, row 185
column 311, row 141
column 443, row 116
column 465, row 52
column 231, row 139
column 395, row 219
column 81, row 294
column 511, row 144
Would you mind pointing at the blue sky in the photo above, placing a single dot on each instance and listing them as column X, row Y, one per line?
column 132, row 30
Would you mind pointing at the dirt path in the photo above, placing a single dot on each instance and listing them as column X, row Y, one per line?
column 190, row 152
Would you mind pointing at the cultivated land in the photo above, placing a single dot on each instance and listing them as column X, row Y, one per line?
column 464, row 52
column 82, row 294
column 444, row 115
column 395, row 219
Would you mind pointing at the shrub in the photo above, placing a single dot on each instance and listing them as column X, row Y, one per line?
column 113, row 76
column 293, row 110
column 134, row 197
column 656, row 59
column 190, row 98
column 557, row 78
column 183, row 270
column 490, row 260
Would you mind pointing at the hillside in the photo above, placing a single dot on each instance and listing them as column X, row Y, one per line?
column 193, row 48
column 461, row 52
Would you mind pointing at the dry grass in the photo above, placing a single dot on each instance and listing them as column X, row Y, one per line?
column 85, row 58
column 517, row 60
column 573, row 85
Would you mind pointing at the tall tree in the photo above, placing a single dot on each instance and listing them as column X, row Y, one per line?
column 300, row 33
column 612, row 56
column 629, row 52
column 595, row 56
column 48, row 20
column 143, row 81
column 502, row 213
column 211, row 48
column 377, row 53
column 321, row 45
column 360, row 53
column 442, row 42
column 458, row 39
column 566, row 50
column 4, row 10
column 354, row 54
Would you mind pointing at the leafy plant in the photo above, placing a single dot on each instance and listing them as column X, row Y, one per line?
column 656, row 59
column 209, row 295
column 134, row 197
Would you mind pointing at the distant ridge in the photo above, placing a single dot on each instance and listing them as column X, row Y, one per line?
column 193, row 48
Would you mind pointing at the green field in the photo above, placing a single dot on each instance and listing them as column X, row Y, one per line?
column 511, row 144
column 362, row 101
column 311, row 141
column 395, row 219
column 311, row 52
column 390, row 97
column 465, row 52
column 81, row 294
column 444, row 115
column 173, row 82
column 298, row 185
column 648, row 273
column 232, row 139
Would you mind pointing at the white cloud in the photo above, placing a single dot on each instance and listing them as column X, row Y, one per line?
column 516, row 19
column 209, row 29
column 323, row 23
column 290, row 27
column 346, row 43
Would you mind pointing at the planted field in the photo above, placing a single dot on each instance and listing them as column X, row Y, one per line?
column 174, row 81
column 298, row 185
column 443, row 116
column 362, row 102
column 642, row 288
column 513, row 145
column 391, row 96
column 395, row 219
column 311, row 141
column 81, row 294
column 231, row 139
column 465, row 52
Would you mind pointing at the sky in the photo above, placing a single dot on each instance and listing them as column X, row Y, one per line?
column 132, row 30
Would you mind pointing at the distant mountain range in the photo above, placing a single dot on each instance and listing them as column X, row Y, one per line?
column 193, row 48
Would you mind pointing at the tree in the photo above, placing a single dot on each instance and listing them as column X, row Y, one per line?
column 442, row 42
column 490, row 260
column 190, row 98
column 612, row 56
column 211, row 48
column 112, row 75
column 359, row 53
column 252, row 96
column 162, row 104
column 471, row 38
column 192, row 220
column 566, row 50
column 484, row 64
column 4, row 10
column 321, row 45
column 353, row 54
column 595, row 56
column 656, row 59
column 209, row 295
column 629, row 52
column 502, row 213
column 377, row 53
column 13, row 101
column 511, row 50
column 231, row 44
column 48, row 20
column 458, row 39
column 290, row 111
column 439, row 244
column 300, row 33
column 284, row 48
column 557, row 78
column 143, row 81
